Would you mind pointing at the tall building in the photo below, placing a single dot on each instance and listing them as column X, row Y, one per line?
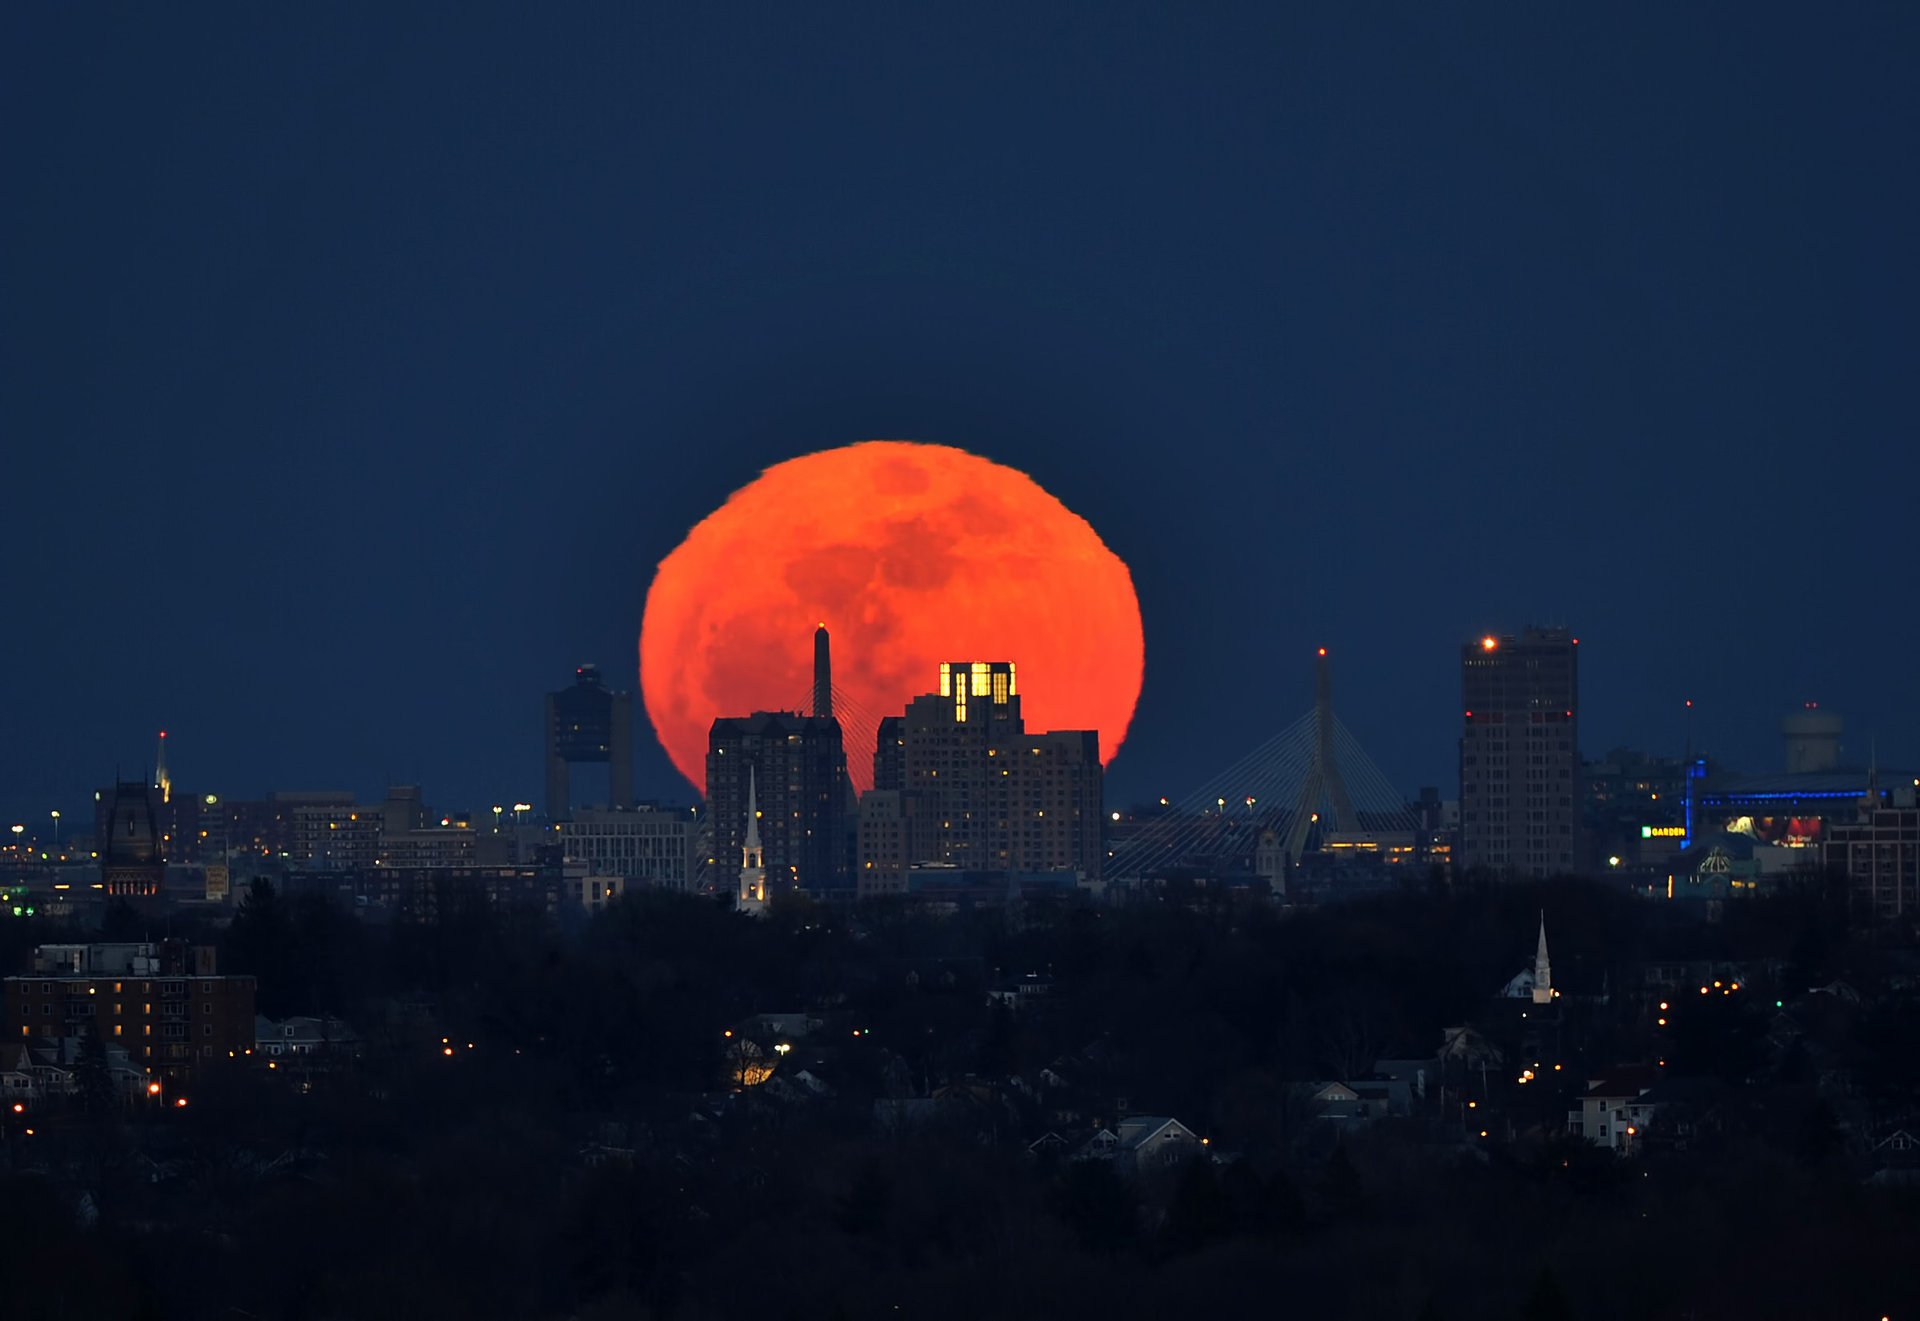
column 1880, row 853
column 588, row 723
column 958, row 780
column 1519, row 752
column 132, row 847
column 796, row 768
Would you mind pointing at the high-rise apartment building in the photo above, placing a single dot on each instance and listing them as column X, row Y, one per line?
column 1520, row 753
column 796, row 767
column 958, row 780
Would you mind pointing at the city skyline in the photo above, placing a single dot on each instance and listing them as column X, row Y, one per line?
column 866, row 661
column 1455, row 337
column 1764, row 738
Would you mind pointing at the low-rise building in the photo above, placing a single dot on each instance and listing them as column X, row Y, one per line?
column 643, row 846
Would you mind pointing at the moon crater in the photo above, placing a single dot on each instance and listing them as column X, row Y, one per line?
column 911, row 554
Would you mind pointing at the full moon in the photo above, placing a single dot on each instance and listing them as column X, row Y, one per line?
column 910, row 554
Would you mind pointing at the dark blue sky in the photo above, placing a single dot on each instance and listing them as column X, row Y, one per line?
column 358, row 367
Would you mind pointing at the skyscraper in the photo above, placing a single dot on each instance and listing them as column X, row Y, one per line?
column 588, row 723
column 795, row 768
column 959, row 780
column 1519, row 752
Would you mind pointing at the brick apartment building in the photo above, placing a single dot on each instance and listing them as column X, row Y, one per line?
column 161, row 1002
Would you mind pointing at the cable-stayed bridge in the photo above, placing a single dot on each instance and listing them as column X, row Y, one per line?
column 1309, row 787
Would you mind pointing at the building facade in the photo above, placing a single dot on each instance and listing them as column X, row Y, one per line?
column 1880, row 856
column 959, row 781
column 1520, row 803
column 796, row 768
column 132, row 844
column 643, row 846
column 164, row 1003
column 588, row 723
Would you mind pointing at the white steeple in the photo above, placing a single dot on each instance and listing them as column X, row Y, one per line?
column 753, row 869
column 1542, row 968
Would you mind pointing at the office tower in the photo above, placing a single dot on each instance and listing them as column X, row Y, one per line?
column 960, row 781
column 588, row 723
column 1519, row 752
column 795, row 767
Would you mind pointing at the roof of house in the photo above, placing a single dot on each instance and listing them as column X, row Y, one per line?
column 1628, row 1080
column 1138, row 1131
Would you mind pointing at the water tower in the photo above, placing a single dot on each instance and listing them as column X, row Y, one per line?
column 1813, row 739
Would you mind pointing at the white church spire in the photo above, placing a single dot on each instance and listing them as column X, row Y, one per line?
column 1542, row 968
column 753, row 863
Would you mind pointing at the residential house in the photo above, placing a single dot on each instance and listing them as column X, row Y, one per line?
column 1151, row 1142
column 1615, row 1108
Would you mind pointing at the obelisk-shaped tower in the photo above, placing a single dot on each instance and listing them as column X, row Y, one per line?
column 822, row 673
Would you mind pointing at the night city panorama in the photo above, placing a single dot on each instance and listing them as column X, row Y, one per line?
column 884, row 662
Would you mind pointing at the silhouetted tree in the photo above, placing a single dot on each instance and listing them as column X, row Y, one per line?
column 1199, row 1212
column 1547, row 1301
column 1097, row 1205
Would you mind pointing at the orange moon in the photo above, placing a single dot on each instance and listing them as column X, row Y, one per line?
column 911, row 555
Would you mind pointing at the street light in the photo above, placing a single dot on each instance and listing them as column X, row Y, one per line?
column 56, row 829
column 497, row 810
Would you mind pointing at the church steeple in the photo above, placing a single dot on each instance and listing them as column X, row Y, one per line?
column 1542, row 968
column 753, row 862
